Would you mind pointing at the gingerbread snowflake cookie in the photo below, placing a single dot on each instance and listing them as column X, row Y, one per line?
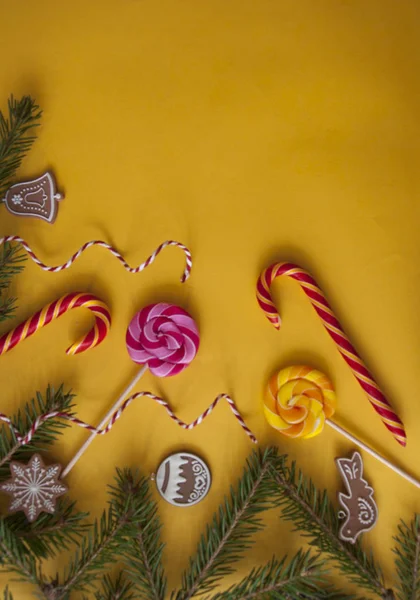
column 183, row 479
column 34, row 488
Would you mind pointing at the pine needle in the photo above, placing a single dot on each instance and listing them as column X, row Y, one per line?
column 46, row 434
column 50, row 533
column 106, row 537
column 302, row 576
column 11, row 259
column 143, row 549
column 16, row 137
column 7, row 595
column 119, row 589
column 14, row 556
column 314, row 515
column 407, row 562
column 231, row 529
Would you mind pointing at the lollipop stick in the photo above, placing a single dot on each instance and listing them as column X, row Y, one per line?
column 373, row 453
column 104, row 421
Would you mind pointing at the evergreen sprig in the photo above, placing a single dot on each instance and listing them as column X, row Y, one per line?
column 46, row 434
column 50, row 534
column 407, row 562
column 302, row 576
column 314, row 515
column 143, row 549
column 14, row 556
column 11, row 259
column 104, row 540
column 229, row 534
column 115, row 589
column 16, row 136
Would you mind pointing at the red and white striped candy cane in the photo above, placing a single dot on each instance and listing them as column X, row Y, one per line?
column 141, row 267
column 318, row 300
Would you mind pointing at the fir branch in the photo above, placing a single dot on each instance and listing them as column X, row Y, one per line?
column 11, row 259
column 301, row 577
column 102, row 543
column 407, row 562
column 120, row 589
column 16, row 136
column 14, row 557
column 6, row 594
column 50, row 533
column 314, row 515
column 231, row 529
column 143, row 550
column 46, row 434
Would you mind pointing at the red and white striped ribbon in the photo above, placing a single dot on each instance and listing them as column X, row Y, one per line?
column 118, row 413
column 141, row 267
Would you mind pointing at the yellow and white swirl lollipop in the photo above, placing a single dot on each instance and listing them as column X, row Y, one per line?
column 300, row 400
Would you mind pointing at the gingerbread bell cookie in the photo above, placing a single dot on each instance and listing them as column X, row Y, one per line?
column 36, row 198
column 360, row 510
column 183, row 479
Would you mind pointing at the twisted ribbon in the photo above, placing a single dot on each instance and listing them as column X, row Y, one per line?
column 318, row 300
column 118, row 413
column 72, row 259
column 53, row 311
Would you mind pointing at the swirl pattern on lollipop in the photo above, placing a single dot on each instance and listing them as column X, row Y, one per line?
column 298, row 400
column 163, row 336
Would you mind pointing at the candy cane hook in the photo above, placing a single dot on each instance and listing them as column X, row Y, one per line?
column 53, row 311
column 318, row 300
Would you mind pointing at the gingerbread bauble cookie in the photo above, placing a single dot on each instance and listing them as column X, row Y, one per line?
column 183, row 479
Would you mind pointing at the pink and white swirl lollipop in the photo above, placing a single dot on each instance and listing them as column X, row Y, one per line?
column 164, row 337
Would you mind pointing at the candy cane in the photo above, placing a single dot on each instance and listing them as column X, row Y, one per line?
column 118, row 413
column 332, row 325
column 52, row 311
column 141, row 267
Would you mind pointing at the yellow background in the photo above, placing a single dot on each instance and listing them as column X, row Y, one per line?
column 251, row 131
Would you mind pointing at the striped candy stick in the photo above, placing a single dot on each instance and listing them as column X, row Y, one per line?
column 72, row 259
column 332, row 325
column 53, row 311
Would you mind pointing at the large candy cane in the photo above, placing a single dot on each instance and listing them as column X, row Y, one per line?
column 52, row 311
column 332, row 325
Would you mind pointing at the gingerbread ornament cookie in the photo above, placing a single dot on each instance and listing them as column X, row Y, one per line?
column 36, row 198
column 360, row 510
column 183, row 479
column 34, row 487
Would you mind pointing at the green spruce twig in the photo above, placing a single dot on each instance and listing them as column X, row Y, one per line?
column 103, row 542
column 50, row 534
column 143, row 550
column 407, row 562
column 11, row 259
column 302, row 576
column 314, row 515
column 16, row 136
column 14, row 556
column 116, row 589
column 230, row 531
column 46, row 434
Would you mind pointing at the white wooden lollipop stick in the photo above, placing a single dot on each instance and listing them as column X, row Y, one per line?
column 373, row 453
column 104, row 421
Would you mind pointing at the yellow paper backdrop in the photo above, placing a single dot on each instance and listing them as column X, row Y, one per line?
column 251, row 131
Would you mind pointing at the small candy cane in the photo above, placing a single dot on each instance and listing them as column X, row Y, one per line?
column 141, row 267
column 53, row 311
column 118, row 413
